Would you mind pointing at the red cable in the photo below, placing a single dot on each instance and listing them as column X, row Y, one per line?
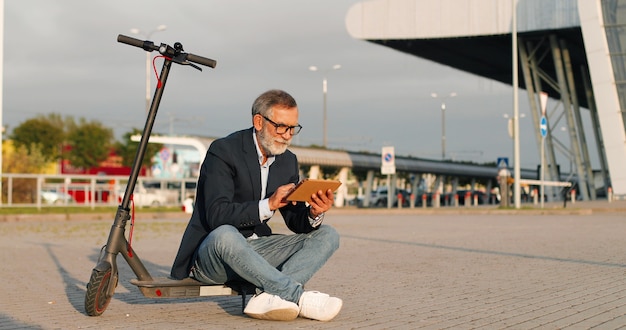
column 132, row 226
column 159, row 84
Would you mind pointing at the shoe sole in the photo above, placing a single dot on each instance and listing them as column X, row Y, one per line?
column 276, row 315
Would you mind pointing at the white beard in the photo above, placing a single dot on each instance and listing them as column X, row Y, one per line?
column 273, row 145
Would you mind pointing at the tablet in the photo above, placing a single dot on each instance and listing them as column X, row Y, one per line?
column 307, row 187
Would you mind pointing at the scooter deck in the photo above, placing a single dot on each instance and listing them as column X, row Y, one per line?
column 164, row 287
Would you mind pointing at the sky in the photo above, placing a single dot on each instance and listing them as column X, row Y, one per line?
column 62, row 56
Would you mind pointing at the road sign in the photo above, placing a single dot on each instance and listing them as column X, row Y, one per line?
column 503, row 162
column 543, row 126
column 388, row 161
column 164, row 154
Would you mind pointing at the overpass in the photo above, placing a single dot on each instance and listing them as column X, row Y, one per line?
column 314, row 160
column 572, row 50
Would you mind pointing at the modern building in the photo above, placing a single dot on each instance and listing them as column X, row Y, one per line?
column 569, row 50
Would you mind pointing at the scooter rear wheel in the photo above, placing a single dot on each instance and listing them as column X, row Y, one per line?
column 97, row 298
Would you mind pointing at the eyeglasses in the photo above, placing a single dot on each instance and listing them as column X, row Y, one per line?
column 282, row 129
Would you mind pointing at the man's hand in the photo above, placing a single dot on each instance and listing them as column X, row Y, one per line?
column 278, row 198
column 321, row 202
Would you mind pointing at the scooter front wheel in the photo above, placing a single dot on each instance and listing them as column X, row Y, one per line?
column 97, row 297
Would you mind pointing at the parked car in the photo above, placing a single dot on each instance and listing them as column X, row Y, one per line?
column 481, row 197
column 419, row 199
column 174, row 189
column 55, row 197
column 379, row 197
column 146, row 197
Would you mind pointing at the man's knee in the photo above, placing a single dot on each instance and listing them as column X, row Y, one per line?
column 224, row 230
column 224, row 237
column 329, row 235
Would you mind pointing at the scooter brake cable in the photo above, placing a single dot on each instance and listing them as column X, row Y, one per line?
column 132, row 226
column 155, row 68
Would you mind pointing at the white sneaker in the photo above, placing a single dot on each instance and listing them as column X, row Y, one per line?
column 319, row 306
column 265, row 306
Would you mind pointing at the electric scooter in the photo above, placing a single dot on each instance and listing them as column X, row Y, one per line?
column 104, row 276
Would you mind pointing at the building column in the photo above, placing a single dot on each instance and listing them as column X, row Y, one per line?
column 367, row 194
column 314, row 172
column 342, row 191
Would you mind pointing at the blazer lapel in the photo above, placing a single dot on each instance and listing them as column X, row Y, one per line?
column 277, row 174
column 251, row 161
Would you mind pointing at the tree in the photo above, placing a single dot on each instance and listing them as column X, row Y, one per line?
column 127, row 149
column 43, row 134
column 20, row 160
column 90, row 143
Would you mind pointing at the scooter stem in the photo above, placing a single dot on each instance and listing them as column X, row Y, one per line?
column 117, row 240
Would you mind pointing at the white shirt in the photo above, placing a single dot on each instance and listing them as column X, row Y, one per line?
column 264, row 206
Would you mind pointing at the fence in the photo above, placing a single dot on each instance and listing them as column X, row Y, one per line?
column 28, row 190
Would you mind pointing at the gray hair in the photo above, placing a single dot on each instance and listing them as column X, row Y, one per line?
column 275, row 97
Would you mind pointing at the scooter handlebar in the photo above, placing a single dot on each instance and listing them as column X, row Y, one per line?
column 201, row 60
column 150, row 46
column 145, row 45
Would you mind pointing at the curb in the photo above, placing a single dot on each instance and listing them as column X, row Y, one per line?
column 90, row 216
column 552, row 209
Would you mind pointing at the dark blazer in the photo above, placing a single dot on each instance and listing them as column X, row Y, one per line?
column 229, row 190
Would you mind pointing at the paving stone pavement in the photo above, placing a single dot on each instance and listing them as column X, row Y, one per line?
column 395, row 269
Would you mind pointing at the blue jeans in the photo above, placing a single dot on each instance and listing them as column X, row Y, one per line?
column 277, row 264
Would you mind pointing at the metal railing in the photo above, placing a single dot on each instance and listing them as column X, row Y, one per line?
column 45, row 190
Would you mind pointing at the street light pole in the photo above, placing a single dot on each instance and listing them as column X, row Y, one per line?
column 325, row 92
column 443, row 130
column 516, row 138
column 147, row 37
column 443, row 122
column 1, row 95
column 510, row 125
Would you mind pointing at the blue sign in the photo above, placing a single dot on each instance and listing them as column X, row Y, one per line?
column 543, row 126
column 388, row 165
column 503, row 162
